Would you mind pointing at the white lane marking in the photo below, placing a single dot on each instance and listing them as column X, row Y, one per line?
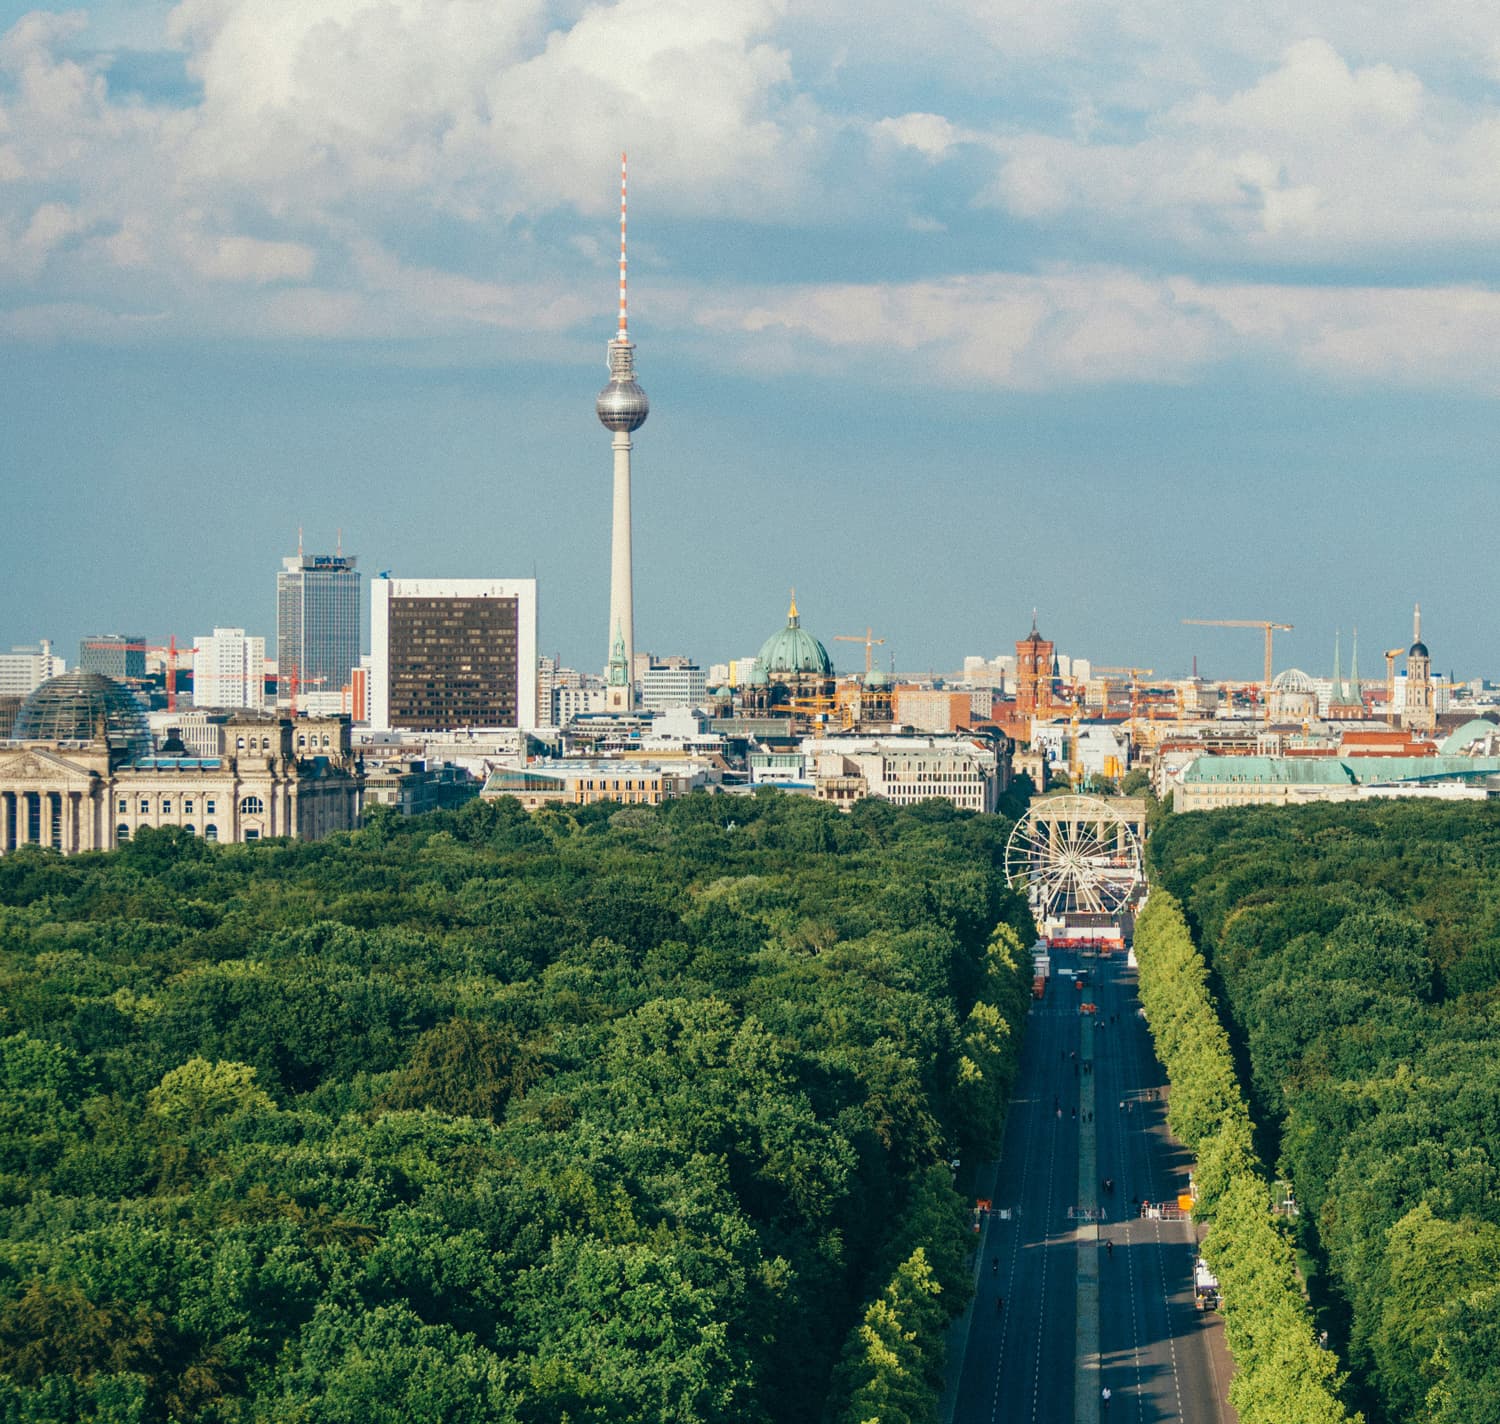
column 1029, row 1139
column 1166, row 1295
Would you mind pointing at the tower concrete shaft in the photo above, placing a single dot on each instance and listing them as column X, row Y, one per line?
column 621, row 584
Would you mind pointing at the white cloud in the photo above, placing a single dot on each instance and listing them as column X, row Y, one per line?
column 1315, row 159
column 931, row 135
column 236, row 258
column 1092, row 326
column 417, row 168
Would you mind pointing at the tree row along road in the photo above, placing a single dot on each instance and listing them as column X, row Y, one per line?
column 1091, row 1092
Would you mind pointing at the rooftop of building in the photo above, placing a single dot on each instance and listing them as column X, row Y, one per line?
column 1334, row 771
column 1477, row 729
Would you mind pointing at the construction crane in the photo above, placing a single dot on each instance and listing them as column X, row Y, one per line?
column 173, row 652
column 1135, row 675
column 301, row 682
column 1391, row 654
column 869, row 640
column 1270, row 630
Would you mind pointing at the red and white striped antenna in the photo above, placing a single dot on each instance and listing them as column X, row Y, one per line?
column 624, row 333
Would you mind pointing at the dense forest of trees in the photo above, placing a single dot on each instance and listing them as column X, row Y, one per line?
column 1357, row 952
column 612, row 1115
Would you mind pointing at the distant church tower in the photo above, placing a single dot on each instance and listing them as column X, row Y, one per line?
column 1035, row 665
column 621, row 407
column 1420, row 714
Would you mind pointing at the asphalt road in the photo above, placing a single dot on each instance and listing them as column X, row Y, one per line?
column 1031, row 1360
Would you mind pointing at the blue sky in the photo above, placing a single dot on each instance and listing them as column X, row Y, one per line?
column 1127, row 313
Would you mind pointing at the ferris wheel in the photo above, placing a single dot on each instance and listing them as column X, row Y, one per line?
column 1072, row 853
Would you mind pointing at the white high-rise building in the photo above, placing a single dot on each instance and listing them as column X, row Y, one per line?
column 621, row 407
column 663, row 688
column 229, row 670
column 23, row 670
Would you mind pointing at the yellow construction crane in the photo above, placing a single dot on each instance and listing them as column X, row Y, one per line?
column 869, row 640
column 1270, row 630
column 1390, row 684
column 1135, row 675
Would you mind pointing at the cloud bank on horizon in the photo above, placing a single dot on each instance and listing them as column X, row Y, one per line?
column 981, row 195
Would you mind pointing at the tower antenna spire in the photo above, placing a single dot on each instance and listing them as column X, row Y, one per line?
column 624, row 329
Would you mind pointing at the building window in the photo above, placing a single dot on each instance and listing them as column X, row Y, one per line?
column 122, row 832
column 166, row 806
column 145, row 807
column 240, row 743
column 210, row 832
column 209, row 805
column 187, row 805
column 124, row 805
column 252, row 835
column 252, row 806
column 189, row 830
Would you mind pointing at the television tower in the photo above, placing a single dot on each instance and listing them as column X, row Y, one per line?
column 621, row 407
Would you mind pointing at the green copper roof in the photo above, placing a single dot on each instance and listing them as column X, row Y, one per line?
column 1471, row 731
column 1334, row 771
column 794, row 652
column 1269, row 771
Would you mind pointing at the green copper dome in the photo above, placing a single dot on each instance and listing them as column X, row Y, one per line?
column 794, row 652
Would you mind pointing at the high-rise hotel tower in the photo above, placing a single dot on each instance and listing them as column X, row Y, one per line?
column 317, row 623
column 621, row 407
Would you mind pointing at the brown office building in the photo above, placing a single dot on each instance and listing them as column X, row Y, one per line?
column 453, row 653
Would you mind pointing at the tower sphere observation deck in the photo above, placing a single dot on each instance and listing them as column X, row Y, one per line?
column 622, row 404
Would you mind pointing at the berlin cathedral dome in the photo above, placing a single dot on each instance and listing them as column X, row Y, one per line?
column 793, row 652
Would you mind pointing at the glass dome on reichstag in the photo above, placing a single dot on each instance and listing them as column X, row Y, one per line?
column 82, row 706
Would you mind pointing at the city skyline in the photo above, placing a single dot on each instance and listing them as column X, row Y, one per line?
column 1067, row 313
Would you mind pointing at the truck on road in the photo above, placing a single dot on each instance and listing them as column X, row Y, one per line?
column 1205, row 1286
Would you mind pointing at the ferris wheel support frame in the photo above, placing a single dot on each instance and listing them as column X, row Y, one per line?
column 1075, row 853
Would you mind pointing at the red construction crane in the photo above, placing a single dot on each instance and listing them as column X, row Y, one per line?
column 173, row 652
